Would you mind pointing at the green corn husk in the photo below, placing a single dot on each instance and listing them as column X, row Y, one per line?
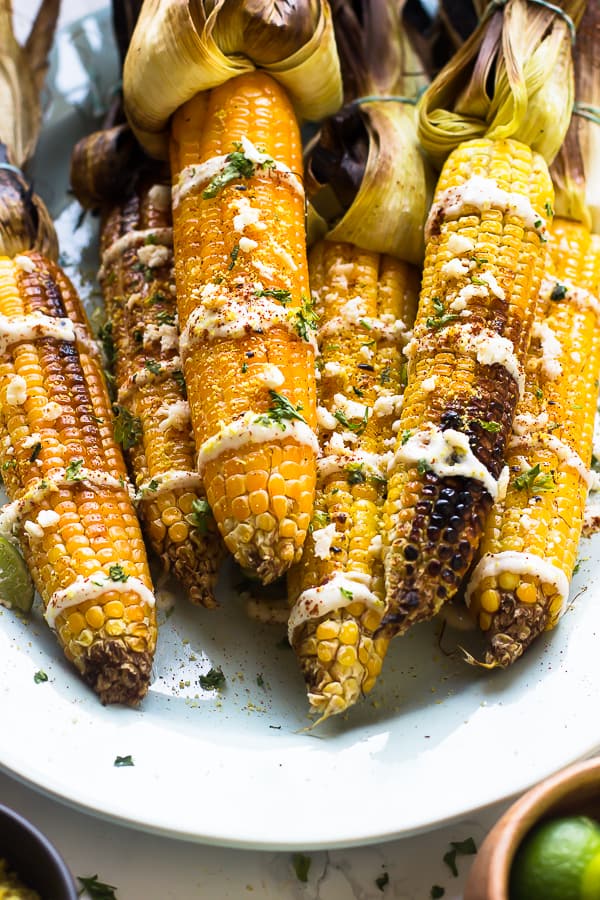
column 180, row 49
column 366, row 177
column 513, row 78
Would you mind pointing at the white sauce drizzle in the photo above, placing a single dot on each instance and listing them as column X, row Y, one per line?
column 492, row 349
column 481, row 193
column 578, row 296
column 90, row 587
column 493, row 564
column 448, row 454
column 323, row 539
column 247, row 430
column 316, row 602
column 145, row 376
column 551, row 350
column 162, row 237
column 565, row 454
column 171, row 480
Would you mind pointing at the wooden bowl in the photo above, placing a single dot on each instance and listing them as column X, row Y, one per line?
column 573, row 791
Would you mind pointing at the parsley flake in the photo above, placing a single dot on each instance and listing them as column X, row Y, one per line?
column 283, row 297
column 548, row 208
column 237, row 165
column 40, row 677
column 319, row 520
column 121, row 761
column 355, row 473
column 235, row 250
column 213, row 680
column 346, row 594
column 280, row 411
column 200, row 515
column 305, row 318
column 128, row 428
column 405, row 436
column 97, row 890
column 534, row 479
column 73, row 471
column 357, row 427
column 441, row 317
column 153, row 366
column 117, row 573
column 491, row 427
column 105, row 336
column 301, row 865
column 180, row 382
column 423, row 466
column 165, row 318
column 385, row 376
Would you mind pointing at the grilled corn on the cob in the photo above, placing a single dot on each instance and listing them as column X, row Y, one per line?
column 245, row 315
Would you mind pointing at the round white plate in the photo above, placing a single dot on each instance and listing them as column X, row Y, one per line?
column 435, row 740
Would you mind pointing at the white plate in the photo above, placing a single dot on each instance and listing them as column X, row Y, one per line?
column 434, row 741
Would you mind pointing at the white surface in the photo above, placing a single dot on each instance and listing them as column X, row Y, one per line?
column 435, row 740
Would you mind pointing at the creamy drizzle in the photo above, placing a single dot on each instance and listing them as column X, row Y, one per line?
column 247, row 430
column 316, row 602
column 578, row 296
column 90, row 587
column 169, row 481
column 494, row 564
column 162, row 237
column 145, row 376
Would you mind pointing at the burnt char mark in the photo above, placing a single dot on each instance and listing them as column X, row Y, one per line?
column 439, row 549
column 116, row 673
column 514, row 627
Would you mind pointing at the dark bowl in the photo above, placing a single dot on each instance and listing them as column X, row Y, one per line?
column 33, row 858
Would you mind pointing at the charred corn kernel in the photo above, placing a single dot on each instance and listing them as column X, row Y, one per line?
column 366, row 304
column 483, row 265
column 153, row 419
column 540, row 520
column 244, row 305
column 67, row 479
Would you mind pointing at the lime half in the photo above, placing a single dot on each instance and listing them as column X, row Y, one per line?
column 559, row 860
column 16, row 586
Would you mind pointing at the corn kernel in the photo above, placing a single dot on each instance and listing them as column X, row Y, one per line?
column 328, row 630
column 347, row 656
column 349, row 632
column 490, row 601
column 115, row 627
column 326, row 651
column 485, row 621
column 508, row 581
column 526, row 592
column 95, row 617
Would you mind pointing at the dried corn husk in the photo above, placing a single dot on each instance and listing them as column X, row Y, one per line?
column 103, row 165
column 576, row 169
column 182, row 47
column 366, row 177
column 524, row 51
column 24, row 220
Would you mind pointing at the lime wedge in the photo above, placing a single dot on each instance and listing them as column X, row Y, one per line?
column 16, row 586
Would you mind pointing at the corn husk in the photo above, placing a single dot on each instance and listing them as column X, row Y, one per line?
column 24, row 220
column 366, row 177
column 576, row 169
column 103, row 166
column 182, row 47
column 513, row 78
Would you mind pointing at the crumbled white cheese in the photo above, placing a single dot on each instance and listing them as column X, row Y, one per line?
column 47, row 518
column 492, row 283
column 169, row 337
column 350, row 408
column 458, row 244
column 503, row 481
column 178, row 416
column 25, row 263
column 551, row 350
column 247, row 215
column 33, row 530
column 246, row 244
column 365, row 352
column 52, row 411
column 325, row 420
column 271, row 376
column 154, row 255
column 323, row 538
column 456, row 268
column 16, row 392
column 429, row 384
column 388, row 405
column 333, row 369
column 31, row 440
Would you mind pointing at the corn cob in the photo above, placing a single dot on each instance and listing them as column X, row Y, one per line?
column 527, row 555
column 153, row 418
column 483, row 267
column 242, row 289
column 337, row 590
column 67, row 482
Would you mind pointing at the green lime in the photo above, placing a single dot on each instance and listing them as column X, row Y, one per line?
column 16, row 586
column 559, row 860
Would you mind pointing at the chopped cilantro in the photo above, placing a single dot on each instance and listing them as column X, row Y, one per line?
column 156, row 297
column 355, row 473
column 40, row 677
column 492, row 427
column 404, row 374
column 150, row 239
column 165, row 318
column 437, row 892
column 244, row 368
column 73, row 470
column 405, row 436
column 37, row 449
column 153, row 366
column 97, row 890
column 382, row 881
column 283, row 297
column 138, row 335
column 347, row 595
column 200, row 515
column 281, row 409
column 548, row 208
column 559, row 292
column 213, row 680
column 180, row 382
column 237, row 165
column 534, row 480
column 105, row 336
column 9, row 464
column 128, row 428
column 123, row 761
column 305, row 318
column 357, row 427
column 117, row 573
column 538, row 223
column 576, row 567
column 233, row 256
column 357, row 392
column 539, row 393
column 422, row 466
column 260, row 680
column 441, row 317
column 301, row 865
column 152, row 485
column 364, row 324
column 319, row 520
column 385, row 375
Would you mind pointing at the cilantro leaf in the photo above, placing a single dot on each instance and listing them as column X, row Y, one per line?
column 441, row 317
column 283, row 297
column 128, row 428
column 117, row 573
column 559, row 292
column 280, row 411
column 237, row 166
column 213, row 680
column 357, row 427
column 121, row 761
column 40, row 677
column 301, row 865
column 306, row 318
column 73, row 470
column 97, row 890
column 200, row 515
column 534, row 479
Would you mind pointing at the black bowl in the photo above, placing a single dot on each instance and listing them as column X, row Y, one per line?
column 31, row 855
